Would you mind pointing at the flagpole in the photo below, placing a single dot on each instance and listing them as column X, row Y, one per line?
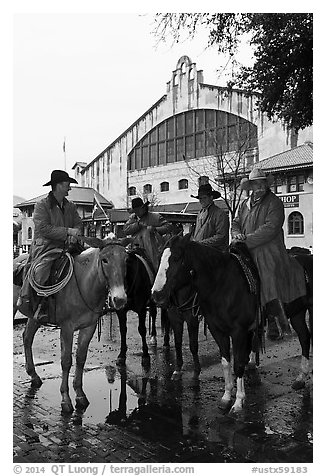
column 64, row 153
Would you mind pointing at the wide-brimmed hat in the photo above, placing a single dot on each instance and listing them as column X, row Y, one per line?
column 256, row 174
column 58, row 176
column 138, row 203
column 207, row 190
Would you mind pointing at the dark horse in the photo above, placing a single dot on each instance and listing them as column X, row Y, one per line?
column 97, row 273
column 138, row 282
column 226, row 302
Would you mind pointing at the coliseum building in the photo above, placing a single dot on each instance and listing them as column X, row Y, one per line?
column 170, row 149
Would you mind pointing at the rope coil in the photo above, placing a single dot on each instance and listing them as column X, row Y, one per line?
column 43, row 290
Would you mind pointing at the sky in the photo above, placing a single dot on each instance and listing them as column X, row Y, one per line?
column 83, row 79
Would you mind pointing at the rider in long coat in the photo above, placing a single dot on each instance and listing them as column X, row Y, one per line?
column 212, row 223
column 57, row 223
column 147, row 229
column 259, row 223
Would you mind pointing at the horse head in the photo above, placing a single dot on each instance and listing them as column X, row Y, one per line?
column 113, row 263
column 172, row 273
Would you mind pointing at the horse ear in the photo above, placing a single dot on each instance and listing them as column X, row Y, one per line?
column 93, row 241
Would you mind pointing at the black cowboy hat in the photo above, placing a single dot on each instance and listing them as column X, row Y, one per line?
column 138, row 203
column 58, row 176
column 206, row 189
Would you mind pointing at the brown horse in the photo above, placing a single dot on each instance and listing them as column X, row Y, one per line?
column 228, row 305
column 97, row 274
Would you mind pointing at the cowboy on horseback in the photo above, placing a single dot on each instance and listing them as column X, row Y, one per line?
column 57, row 226
column 147, row 230
column 259, row 225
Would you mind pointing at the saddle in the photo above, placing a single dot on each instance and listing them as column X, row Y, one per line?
column 31, row 301
column 240, row 253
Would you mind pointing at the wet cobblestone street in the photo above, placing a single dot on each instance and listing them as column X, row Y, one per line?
column 142, row 416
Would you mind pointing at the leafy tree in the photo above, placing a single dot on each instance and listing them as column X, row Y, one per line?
column 282, row 49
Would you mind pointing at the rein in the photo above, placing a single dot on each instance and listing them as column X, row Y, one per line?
column 96, row 311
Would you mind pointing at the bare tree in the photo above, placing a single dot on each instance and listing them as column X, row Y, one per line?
column 226, row 167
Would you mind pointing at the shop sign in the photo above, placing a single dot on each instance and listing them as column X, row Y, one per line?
column 290, row 201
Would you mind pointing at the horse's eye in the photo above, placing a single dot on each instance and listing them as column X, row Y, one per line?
column 105, row 260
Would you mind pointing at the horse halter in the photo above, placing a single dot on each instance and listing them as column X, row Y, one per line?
column 190, row 304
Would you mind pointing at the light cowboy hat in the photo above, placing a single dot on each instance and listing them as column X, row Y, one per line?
column 256, row 174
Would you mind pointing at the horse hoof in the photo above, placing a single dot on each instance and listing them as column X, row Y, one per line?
column 224, row 404
column 153, row 340
column 146, row 361
column 67, row 408
column 121, row 361
column 36, row 382
column 298, row 384
column 81, row 403
column 177, row 374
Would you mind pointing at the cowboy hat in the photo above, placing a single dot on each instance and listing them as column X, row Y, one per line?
column 58, row 176
column 255, row 174
column 206, row 189
column 138, row 203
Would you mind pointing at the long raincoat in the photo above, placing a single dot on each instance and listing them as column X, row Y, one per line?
column 281, row 276
column 51, row 230
column 212, row 227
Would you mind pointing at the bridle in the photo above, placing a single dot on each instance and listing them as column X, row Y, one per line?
column 191, row 303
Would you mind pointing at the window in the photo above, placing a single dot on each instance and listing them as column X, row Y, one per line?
column 29, row 233
column 147, row 188
column 278, row 185
column 295, row 183
column 195, row 133
column 165, row 186
column 295, row 224
column 183, row 184
column 132, row 191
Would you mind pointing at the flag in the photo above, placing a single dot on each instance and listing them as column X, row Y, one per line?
column 64, row 146
column 97, row 206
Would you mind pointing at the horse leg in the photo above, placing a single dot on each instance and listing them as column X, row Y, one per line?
column 152, row 323
column 177, row 326
column 241, row 351
column 298, row 323
column 66, row 340
column 142, row 332
column 122, row 315
column 165, row 324
column 28, row 337
column 193, row 326
column 84, row 337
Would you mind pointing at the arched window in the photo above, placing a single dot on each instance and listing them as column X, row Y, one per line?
column 183, row 184
column 29, row 233
column 295, row 224
column 147, row 188
column 191, row 73
column 183, row 68
column 175, row 80
column 132, row 191
column 165, row 186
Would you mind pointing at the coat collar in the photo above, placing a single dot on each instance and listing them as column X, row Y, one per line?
column 54, row 202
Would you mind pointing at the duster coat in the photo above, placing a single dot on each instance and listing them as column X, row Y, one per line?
column 150, row 242
column 212, row 227
column 51, row 230
column 281, row 276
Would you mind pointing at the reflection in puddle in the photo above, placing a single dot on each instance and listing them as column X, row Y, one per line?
column 178, row 414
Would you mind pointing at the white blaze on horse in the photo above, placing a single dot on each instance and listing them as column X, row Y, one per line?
column 228, row 304
column 97, row 273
